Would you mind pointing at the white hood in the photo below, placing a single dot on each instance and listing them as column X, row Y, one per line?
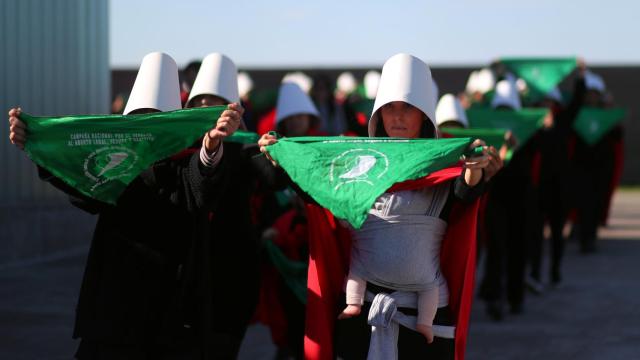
column 472, row 81
column 485, row 80
column 594, row 81
column 156, row 85
column 217, row 76
column 245, row 84
column 346, row 83
column 371, row 82
column 304, row 82
column 506, row 95
column 404, row 78
column 450, row 109
column 292, row 100
column 435, row 94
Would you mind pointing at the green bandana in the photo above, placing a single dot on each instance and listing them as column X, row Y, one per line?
column 540, row 74
column 593, row 123
column 346, row 175
column 99, row 155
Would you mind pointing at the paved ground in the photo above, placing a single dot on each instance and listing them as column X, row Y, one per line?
column 594, row 315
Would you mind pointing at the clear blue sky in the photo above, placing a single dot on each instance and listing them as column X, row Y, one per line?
column 280, row 33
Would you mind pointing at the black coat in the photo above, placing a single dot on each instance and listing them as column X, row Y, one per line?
column 235, row 238
column 145, row 273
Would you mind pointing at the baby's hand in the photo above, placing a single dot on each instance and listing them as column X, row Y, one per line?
column 350, row 311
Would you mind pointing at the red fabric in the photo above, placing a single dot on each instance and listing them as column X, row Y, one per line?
column 434, row 178
column 184, row 95
column 270, row 310
column 267, row 122
column 362, row 119
column 291, row 239
column 446, row 136
column 316, row 132
column 618, row 164
column 458, row 263
column 329, row 248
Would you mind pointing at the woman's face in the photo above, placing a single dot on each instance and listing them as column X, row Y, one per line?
column 296, row 125
column 206, row 100
column 401, row 119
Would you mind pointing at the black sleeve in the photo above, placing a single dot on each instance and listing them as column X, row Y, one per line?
column 460, row 191
column 577, row 102
column 465, row 193
column 76, row 198
column 187, row 183
column 303, row 195
column 273, row 177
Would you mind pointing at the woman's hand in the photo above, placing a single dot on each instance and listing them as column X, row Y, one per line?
column 495, row 164
column 265, row 140
column 510, row 141
column 226, row 125
column 17, row 129
column 548, row 121
column 474, row 165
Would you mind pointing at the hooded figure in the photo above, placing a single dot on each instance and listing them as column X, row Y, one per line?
column 156, row 86
column 296, row 114
column 408, row 79
column 451, row 112
column 216, row 84
column 218, row 77
column 554, row 95
column 485, row 81
column 510, row 215
column 146, row 287
column 301, row 79
column 234, row 224
column 346, row 84
column 556, row 182
column 245, row 85
column 357, row 109
column 593, row 81
column 506, row 96
column 600, row 165
column 271, row 120
column 405, row 85
column 371, row 81
column 471, row 86
column 480, row 82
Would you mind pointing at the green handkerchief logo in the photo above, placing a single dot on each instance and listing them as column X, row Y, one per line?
column 358, row 165
column 109, row 163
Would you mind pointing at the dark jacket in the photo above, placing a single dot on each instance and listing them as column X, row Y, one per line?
column 143, row 282
column 235, row 237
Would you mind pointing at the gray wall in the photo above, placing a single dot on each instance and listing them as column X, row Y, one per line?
column 54, row 61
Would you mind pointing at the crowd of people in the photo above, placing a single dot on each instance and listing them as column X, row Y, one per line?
column 208, row 241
